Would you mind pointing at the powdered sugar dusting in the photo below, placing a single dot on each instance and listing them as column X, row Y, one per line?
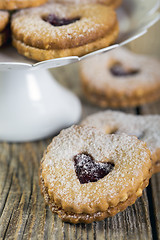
column 97, row 73
column 95, row 21
column 146, row 128
column 128, row 154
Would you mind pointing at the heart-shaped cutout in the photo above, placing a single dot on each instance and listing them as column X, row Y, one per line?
column 87, row 170
column 57, row 22
column 119, row 71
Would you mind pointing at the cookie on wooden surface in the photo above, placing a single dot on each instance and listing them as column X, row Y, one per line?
column 86, row 175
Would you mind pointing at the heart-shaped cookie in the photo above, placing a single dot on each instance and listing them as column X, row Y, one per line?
column 87, row 175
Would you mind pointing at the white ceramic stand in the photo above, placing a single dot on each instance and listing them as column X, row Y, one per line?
column 33, row 106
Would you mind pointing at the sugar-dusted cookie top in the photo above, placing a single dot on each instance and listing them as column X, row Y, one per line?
column 122, row 71
column 62, row 30
column 87, row 171
column 146, row 128
column 121, row 78
column 58, row 26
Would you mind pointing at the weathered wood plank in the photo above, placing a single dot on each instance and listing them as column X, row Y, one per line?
column 149, row 44
column 154, row 108
column 24, row 214
column 156, row 200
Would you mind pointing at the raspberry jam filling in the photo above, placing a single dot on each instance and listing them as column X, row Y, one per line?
column 57, row 22
column 118, row 71
column 87, row 170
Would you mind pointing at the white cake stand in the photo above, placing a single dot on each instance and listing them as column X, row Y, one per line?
column 32, row 104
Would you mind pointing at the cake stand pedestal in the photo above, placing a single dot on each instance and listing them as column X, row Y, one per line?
column 34, row 106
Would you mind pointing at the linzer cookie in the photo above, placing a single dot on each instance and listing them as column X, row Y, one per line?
column 146, row 128
column 18, row 4
column 121, row 78
column 4, row 31
column 109, row 3
column 59, row 30
column 86, row 175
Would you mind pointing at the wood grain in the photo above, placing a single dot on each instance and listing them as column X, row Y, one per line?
column 154, row 108
column 149, row 44
column 155, row 183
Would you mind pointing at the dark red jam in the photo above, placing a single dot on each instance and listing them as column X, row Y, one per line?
column 118, row 71
column 57, row 22
column 87, row 170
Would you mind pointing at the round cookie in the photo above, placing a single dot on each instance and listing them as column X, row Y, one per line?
column 4, row 31
column 146, row 128
column 18, row 4
column 121, row 78
column 62, row 30
column 86, row 175
column 109, row 3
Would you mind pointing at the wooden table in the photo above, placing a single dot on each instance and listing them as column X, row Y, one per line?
column 23, row 214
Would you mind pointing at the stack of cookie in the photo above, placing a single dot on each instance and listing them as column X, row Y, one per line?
column 87, row 175
column 99, row 168
column 58, row 30
column 63, row 30
column 121, row 78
